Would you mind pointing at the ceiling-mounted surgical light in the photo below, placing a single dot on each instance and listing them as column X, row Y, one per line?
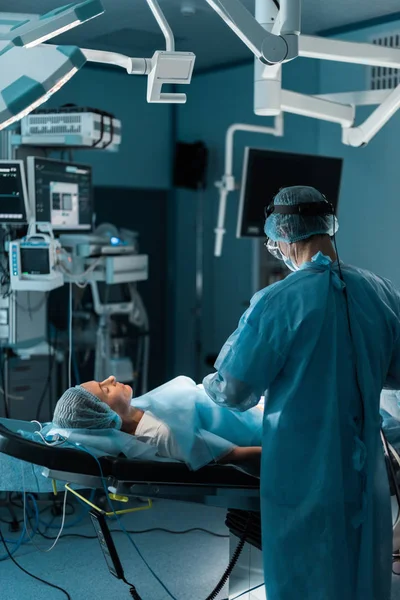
column 28, row 77
column 33, row 32
column 30, row 71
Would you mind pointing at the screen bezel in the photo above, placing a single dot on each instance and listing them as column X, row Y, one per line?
column 28, row 212
column 123, row 308
column 31, row 161
column 245, row 171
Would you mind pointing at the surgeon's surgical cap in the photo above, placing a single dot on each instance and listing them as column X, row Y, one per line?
column 293, row 228
column 79, row 409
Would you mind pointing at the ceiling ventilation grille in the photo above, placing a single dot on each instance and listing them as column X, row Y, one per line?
column 385, row 78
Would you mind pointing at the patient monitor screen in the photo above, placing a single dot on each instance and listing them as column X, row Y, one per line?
column 62, row 192
column 117, row 293
column 35, row 261
column 12, row 193
column 266, row 172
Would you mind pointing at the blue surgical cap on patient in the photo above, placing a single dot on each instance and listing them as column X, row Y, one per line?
column 79, row 409
column 293, row 228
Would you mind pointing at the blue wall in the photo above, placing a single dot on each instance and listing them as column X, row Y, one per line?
column 216, row 100
column 370, row 201
column 144, row 158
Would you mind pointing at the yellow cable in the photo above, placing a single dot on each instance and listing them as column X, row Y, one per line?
column 119, row 498
column 54, row 484
column 69, row 488
column 131, row 510
column 108, row 514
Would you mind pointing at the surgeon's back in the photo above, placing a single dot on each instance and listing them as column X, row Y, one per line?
column 322, row 430
column 320, row 349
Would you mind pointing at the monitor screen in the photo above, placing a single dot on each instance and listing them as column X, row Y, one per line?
column 116, row 293
column 62, row 193
column 13, row 194
column 265, row 172
column 35, row 261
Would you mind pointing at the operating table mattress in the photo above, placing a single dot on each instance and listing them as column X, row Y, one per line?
column 20, row 455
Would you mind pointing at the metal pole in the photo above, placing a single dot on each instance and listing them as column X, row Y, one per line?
column 163, row 24
column 6, row 383
column 199, row 283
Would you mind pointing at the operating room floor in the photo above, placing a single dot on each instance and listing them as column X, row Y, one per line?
column 189, row 565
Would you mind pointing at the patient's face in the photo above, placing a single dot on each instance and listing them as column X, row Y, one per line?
column 117, row 395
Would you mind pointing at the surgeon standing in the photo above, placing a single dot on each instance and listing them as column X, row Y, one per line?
column 321, row 345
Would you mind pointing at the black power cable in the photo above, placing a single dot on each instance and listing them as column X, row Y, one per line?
column 3, row 391
column 132, row 532
column 351, row 336
column 132, row 590
column 233, row 561
column 56, row 587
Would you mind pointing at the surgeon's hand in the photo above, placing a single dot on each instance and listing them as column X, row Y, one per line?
column 261, row 404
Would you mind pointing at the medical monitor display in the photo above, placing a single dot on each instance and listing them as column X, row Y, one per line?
column 35, row 261
column 13, row 194
column 265, row 172
column 62, row 193
column 116, row 293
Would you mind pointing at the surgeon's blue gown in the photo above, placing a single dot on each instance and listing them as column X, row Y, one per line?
column 325, row 504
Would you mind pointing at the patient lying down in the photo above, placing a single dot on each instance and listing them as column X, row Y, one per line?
column 163, row 418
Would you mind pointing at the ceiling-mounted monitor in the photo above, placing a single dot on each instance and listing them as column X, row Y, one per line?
column 265, row 172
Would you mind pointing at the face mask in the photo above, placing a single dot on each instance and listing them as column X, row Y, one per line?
column 290, row 264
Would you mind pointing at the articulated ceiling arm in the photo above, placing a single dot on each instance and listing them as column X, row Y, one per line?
column 163, row 24
column 266, row 13
column 327, row 109
column 133, row 66
column 164, row 67
column 361, row 135
column 362, row 54
column 227, row 183
column 317, row 108
column 269, row 48
column 349, row 52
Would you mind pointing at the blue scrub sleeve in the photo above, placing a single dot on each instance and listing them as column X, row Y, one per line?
column 248, row 362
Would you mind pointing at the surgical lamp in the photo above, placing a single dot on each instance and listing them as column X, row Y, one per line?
column 30, row 33
column 30, row 71
column 29, row 76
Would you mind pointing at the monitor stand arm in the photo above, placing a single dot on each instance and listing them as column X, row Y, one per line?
column 227, row 183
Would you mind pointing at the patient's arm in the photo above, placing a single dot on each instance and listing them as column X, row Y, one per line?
column 240, row 454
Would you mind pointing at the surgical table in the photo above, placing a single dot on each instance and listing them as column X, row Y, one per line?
column 220, row 486
column 212, row 485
